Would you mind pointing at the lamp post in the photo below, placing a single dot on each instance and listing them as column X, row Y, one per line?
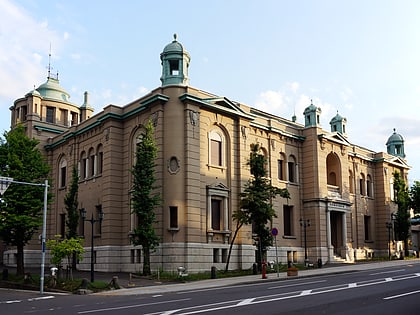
column 389, row 227
column 92, row 222
column 305, row 224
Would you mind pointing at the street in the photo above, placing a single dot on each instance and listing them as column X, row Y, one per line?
column 391, row 290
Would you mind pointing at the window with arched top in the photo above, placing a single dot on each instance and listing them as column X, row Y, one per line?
column 62, row 173
column 91, row 163
column 351, row 179
column 83, row 170
column 333, row 170
column 292, row 169
column 369, row 186
column 281, row 168
column 99, row 159
column 216, row 148
column 362, row 184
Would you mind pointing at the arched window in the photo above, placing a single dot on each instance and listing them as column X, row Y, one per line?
column 62, row 173
column 291, row 169
column 99, row 159
column 216, row 148
column 362, row 184
column 333, row 170
column 351, row 179
column 91, row 163
column 369, row 186
column 83, row 165
column 281, row 168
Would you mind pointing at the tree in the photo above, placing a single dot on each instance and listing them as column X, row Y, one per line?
column 65, row 248
column 256, row 206
column 402, row 199
column 144, row 197
column 21, row 212
column 415, row 197
column 72, row 204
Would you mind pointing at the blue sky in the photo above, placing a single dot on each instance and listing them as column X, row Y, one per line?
column 360, row 58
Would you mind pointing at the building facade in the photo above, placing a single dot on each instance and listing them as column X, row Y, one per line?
column 341, row 193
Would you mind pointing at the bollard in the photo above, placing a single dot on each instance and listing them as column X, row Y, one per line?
column 264, row 270
column 254, row 269
column 319, row 262
column 213, row 272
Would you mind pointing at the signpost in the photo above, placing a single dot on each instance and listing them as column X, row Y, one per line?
column 4, row 184
column 275, row 232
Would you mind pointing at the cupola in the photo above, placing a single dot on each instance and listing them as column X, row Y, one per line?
column 395, row 145
column 312, row 114
column 338, row 124
column 175, row 62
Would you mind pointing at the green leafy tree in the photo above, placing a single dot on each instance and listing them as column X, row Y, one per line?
column 71, row 203
column 21, row 212
column 256, row 206
column 415, row 197
column 65, row 249
column 402, row 220
column 144, row 197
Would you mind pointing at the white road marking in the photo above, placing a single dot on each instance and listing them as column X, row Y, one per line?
column 401, row 295
column 382, row 272
column 129, row 306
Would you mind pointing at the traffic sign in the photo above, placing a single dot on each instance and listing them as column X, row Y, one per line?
column 274, row 232
column 4, row 183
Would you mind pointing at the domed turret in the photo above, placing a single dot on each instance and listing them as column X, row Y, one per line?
column 338, row 124
column 312, row 115
column 395, row 145
column 175, row 62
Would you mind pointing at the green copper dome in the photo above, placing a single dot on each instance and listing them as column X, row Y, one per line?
column 395, row 145
column 174, row 46
column 395, row 138
column 52, row 90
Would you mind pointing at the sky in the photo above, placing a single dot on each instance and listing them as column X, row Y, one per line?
column 358, row 58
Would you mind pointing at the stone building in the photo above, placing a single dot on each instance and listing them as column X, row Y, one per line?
column 341, row 193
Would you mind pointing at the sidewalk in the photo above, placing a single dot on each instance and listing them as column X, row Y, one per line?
column 214, row 283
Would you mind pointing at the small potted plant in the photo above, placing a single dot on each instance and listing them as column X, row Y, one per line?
column 292, row 271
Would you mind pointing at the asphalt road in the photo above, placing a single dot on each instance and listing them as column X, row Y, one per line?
column 391, row 290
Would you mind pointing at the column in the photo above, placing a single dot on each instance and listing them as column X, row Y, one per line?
column 329, row 246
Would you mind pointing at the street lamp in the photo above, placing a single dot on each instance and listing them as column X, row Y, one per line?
column 389, row 227
column 92, row 222
column 305, row 224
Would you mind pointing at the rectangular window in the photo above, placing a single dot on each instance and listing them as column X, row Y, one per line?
column 63, row 174
column 367, row 227
column 74, row 119
column 216, row 152
column 173, row 217
column 174, row 67
column 291, row 169
column 280, row 172
column 288, row 220
column 216, row 255
column 63, row 225
column 216, row 214
column 64, row 116
column 81, row 224
column 50, row 114
column 24, row 112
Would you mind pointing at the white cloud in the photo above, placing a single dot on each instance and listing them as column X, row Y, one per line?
column 66, row 36
column 23, row 41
